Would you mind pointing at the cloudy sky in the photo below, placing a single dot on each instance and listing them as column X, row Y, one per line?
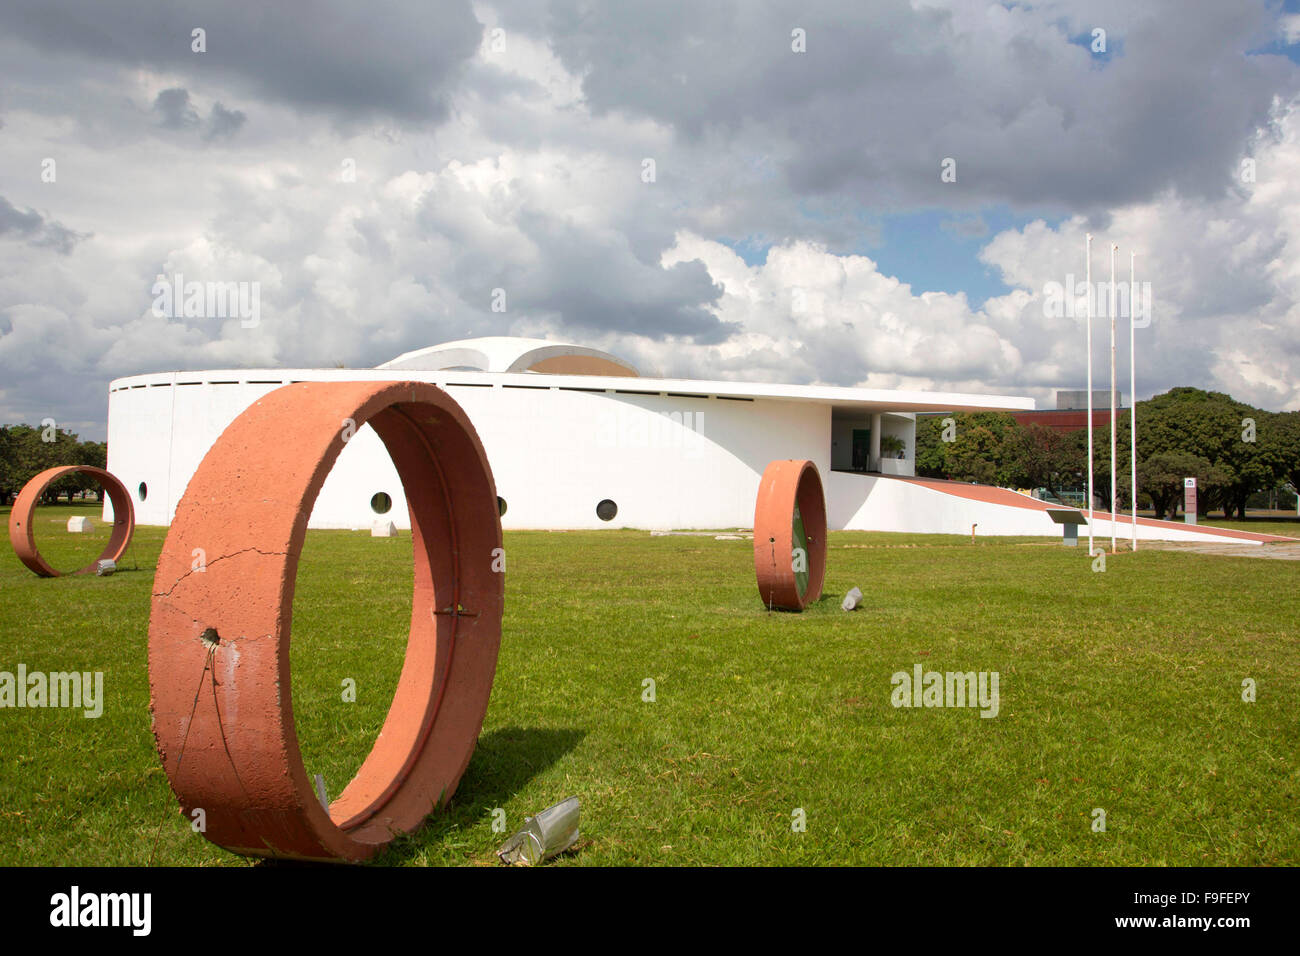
column 880, row 194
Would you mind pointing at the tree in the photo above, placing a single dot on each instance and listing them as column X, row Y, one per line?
column 975, row 456
column 931, row 449
column 1161, row 477
column 94, row 453
column 1043, row 457
column 1237, row 439
column 7, row 479
column 1286, row 432
column 978, row 450
column 24, row 453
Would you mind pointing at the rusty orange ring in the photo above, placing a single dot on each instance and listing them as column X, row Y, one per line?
column 23, row 536
column 247, row 508
column 785, row 485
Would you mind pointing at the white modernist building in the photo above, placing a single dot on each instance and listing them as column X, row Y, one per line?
column 578, row 439
column 575, row 436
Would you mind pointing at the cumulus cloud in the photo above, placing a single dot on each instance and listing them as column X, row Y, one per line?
column 603, row 167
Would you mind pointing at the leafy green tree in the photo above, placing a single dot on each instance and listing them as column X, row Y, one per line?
column 1285, row 428
column 8, row 483
column 1043, row 457
column 1161, row 476
column 975, row 456
column 26, row 455
column 24, row 452
column 1240, row 441
column 978, row 451
column 931, row 449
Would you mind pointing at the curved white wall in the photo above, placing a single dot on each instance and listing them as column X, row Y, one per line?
column 667, row 461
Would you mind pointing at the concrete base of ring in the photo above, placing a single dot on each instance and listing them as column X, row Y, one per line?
column 226, row 631
column 785, row 487
column 22, row 535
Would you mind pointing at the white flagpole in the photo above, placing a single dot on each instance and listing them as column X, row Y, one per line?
column 1113, row 249
column 1089, row 426
column 1132, row 391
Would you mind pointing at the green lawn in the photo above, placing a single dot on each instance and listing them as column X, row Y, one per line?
column 1119, row 690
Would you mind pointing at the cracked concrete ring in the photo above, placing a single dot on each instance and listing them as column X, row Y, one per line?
column 22, row 535
column 790, row 535
column 222, row 608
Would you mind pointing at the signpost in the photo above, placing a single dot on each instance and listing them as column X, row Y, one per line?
column 1071, row 519
column 1189, row 500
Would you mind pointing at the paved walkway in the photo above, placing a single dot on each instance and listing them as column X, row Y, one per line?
column 1279, row 552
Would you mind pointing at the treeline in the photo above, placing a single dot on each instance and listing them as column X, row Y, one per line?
column 26, row 451
column 1234, row 450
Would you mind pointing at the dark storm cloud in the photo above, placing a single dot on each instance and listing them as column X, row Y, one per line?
column 339, row 57
column 591, row 281
column 174, row 107
column 885, row 92
column 620, row 294
column 178, row 113
column 35, row 229
column 224, row 123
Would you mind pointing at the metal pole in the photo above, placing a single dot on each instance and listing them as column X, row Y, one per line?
column 1113, row 249
column 1132, row 391
column 1089, row 350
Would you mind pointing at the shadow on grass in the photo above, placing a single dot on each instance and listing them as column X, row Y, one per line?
column 826, row 602
column 503, row 763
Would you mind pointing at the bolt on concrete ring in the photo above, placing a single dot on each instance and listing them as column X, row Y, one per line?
column 247, row 507
column 789, row 518
column 23, row 536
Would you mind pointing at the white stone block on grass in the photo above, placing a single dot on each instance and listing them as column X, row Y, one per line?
column 80, row 525
column 383, row 529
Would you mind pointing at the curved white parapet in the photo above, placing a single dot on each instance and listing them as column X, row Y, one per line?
column 513, row 354
column 931, row 506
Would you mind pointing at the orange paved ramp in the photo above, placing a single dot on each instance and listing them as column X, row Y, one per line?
column 1013, row 499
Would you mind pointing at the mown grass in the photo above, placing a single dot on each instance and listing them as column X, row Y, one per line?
column 1120, row 690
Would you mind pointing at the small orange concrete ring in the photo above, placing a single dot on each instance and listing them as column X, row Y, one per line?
column 784, row 485
column 23, row 536
column 223, row 603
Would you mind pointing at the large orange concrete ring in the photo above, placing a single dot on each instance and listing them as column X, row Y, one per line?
column 223, row 603
column 785, row 486
column 23, row 536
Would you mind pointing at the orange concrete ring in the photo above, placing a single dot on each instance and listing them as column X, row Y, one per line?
column 785, row 484
column 224, row 629
column 23, row 536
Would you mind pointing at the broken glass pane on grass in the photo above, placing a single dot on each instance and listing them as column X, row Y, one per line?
column 548, row 834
